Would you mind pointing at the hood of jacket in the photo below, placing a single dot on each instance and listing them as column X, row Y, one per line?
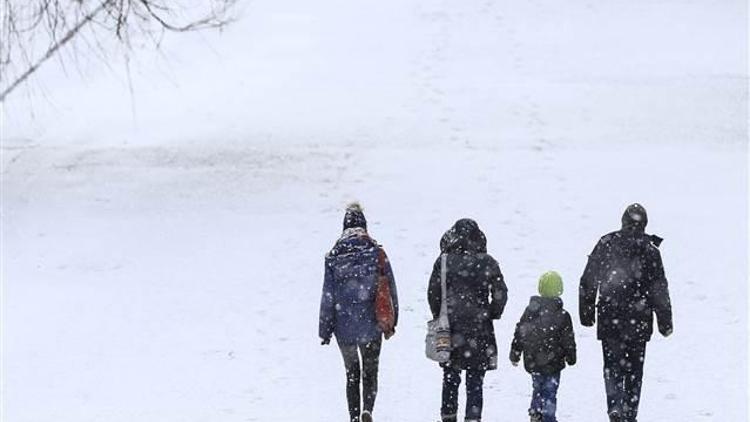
column 464, row 237
column 537, row 304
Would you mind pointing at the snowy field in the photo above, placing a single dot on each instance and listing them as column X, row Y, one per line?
column 162, row 253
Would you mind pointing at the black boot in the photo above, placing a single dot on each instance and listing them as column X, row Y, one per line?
column 615, row 417
column 366, row 416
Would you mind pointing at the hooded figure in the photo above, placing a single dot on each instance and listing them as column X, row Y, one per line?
column 476, row 295
column 622, row 288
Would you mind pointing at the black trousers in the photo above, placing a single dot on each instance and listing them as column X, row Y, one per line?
column 623, row 376
column 474, row 399
column 367, row 373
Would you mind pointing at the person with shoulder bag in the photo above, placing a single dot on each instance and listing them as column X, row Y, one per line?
column 466, row 293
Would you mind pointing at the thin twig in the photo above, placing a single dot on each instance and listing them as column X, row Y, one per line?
column 52, row 50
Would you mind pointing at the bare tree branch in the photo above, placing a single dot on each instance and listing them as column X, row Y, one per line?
column 51, row 25
column 52, row 50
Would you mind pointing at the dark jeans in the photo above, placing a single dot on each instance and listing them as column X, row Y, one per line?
column 544, row 397
column 368, row 373
column 623, row 374
column 451, row 381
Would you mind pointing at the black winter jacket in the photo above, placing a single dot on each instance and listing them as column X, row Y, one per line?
column 544, row 336
column 625, row 271
column 476, row 295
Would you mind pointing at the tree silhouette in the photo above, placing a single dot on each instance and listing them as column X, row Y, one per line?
column 51, row 25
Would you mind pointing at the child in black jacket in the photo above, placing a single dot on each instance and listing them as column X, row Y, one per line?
column 544, row 336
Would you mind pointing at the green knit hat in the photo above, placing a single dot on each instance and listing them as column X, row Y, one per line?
column 550, row 284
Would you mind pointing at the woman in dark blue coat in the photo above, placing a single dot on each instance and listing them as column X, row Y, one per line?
column 347, row 309
column 476, row 295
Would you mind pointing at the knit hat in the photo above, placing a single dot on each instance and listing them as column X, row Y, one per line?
column 550, row 284
column 635, row 216
column 354, row 217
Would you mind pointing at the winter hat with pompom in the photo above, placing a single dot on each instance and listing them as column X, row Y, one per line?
column 354, row 217
column 550, row 284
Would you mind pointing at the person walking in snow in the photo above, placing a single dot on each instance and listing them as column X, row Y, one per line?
column 625, row 271
column 357, row 289
column 544, row 336
column 476, row 295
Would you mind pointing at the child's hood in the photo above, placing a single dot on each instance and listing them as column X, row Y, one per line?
column 537, row 304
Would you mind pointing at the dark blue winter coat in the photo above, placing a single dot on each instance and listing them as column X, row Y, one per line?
column 347, row 306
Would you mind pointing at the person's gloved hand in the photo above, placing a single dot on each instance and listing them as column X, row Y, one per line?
column 495, row 313
column 588, row 320
column 389, row 334
column 325, row 341
column 665, row 331
column 588, row 315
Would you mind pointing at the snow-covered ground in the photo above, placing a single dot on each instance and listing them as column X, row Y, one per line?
column 166, row 264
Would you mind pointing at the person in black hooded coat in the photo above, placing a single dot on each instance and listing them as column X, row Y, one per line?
column 622, row 287
column 476, row 295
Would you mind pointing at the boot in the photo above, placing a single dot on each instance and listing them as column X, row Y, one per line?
column 615, row 417
column 366, row 416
